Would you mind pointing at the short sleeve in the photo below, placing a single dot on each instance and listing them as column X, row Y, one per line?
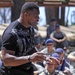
column 72, row 53
column 63, row 34
column 35, row 31
column 52, row 34
column 48, row 30
column 8, row 42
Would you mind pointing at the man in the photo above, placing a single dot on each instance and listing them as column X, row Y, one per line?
column 71, row 57
column 18, row 43
column 60, row 51
column 59, row 37
column 51, row 67
column 64, row 63
column 51, row 27
column 48, row 50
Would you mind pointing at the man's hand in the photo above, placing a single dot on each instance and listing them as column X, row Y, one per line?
column 66, row 72
column 59, row 40
column 48, row 59
column 37, row 57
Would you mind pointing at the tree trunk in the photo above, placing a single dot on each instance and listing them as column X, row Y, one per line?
column 51, row 12
column 15, row 10
column 62, row 15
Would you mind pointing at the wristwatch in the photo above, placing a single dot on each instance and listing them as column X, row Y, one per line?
column 29, row 58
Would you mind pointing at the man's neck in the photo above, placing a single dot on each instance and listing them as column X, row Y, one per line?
column 50, row 73
column 26, row 25
column 49, row 50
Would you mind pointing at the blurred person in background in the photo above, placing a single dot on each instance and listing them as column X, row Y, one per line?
column 59, row 37
column 64, row 63
column 48, row 50
column 51, row 27
column 38, row 39
column 49, row 47
column 52, row 66
column 71, row 57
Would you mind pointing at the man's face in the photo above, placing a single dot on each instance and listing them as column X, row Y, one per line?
column 53, row 23
column 50, row 45
column 61, row 55
column 52, row 65
column 33, row 17
column 58, row 29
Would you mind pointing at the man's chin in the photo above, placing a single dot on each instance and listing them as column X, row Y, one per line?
column 34, row 25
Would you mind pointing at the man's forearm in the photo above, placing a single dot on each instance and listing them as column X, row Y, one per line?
column 64, row 38
column 70, row 57
column 11, row 60
column 54, row 39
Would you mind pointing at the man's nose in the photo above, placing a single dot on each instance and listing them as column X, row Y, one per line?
column 37, row 18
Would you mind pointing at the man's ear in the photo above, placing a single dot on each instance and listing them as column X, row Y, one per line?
column 53, row 44
column 61, row 61
column 25, row 14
